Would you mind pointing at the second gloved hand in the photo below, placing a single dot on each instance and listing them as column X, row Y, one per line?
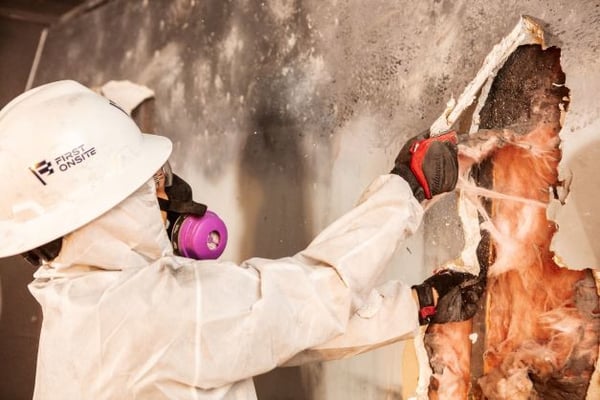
column 458, row 296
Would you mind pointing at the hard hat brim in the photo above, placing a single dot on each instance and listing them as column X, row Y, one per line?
column 19, row 237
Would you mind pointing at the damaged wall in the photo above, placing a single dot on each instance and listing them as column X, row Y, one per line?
column 282, row 111
column 539, row 336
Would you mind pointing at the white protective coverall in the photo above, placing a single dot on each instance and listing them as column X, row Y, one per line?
column 124, row 318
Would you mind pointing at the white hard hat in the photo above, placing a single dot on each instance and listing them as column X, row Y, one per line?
column 67, row 155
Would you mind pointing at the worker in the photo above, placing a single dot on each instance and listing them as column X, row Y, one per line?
column 124, row 317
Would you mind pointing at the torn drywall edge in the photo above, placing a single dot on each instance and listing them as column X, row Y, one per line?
column 576, row 212
column 577, row 215
column 574, row 244
column 527, row 31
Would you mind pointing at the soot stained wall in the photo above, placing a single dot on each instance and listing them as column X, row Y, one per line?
column 282, row 111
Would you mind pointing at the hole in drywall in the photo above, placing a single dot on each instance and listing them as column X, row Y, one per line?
column 538, row 337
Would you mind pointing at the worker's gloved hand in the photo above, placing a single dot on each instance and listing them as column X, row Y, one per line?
column 429, row 164
column 458, row 297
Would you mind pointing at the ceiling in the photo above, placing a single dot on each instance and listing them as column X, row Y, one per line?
column 43, row 11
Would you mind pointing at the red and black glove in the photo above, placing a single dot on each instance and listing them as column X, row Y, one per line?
column 429, row 164
column 458, row 296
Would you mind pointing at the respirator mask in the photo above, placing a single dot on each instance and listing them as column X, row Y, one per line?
column 195, row 232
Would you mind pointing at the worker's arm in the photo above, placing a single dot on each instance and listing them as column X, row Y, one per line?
column 254, row 318
column 324, row 293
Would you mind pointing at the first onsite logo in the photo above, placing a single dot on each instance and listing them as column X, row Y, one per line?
column 42, row 168
column 64, row 162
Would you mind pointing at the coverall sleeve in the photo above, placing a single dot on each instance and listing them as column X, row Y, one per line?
column 388, row 316
column 123, row 322
column 270, row 310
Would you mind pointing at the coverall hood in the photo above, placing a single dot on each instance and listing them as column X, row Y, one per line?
column 131, row 234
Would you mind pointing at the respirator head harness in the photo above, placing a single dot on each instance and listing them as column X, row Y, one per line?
column 194, row 231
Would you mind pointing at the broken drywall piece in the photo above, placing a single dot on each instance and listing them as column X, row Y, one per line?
column 527, row 31
column 126, row 94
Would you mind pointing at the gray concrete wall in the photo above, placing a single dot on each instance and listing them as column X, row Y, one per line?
column 282, row 111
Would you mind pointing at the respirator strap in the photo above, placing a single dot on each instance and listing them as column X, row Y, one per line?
column 182, row 207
